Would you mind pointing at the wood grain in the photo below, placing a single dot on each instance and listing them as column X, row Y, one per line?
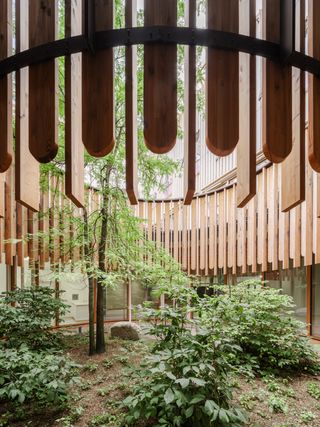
column 131, row 109
column 246, row 148
column 27, row 173
column 160, row 80
column 276, row 93
column 97, row 90
column 5, row 87
column 222, row 119
column 314, row 85
column 43, row 83
column 293, row 167
column 190, row 109
column 74, row 151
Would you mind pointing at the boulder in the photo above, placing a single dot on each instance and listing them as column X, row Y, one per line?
column 125, row 331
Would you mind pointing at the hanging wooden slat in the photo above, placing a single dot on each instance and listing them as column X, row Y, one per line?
column 26, row 167
column 276, row 96
column 293, row 167
column 10, row 218
column 274, row 217
column 309, row 216
column 97, row 89
column 131, row 108
column 246, row 148
column 264, row 265
column 43, row 83
column 184, row 243
column 175, row 241
column 194, row 240
column 222, row 231
column 167, row 226
column 297, row 237
column 158, row 224
column 190, row 109
column 314, row 85
column 74, row 152
column 160, row 80
column 20, row 234
column 2, row 197
column 5, row 87
column 202, row 234
column 222, row 119
column 213, row 232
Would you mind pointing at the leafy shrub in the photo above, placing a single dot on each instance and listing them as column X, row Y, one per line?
column 314, row 390
column 260, row 321
column 26, row 317
column 185, row 381
column 36, row 377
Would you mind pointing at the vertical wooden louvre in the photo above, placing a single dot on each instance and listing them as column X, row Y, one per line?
column 314, row 84
column 190, row 110
column 131, row 109
column 246, row 149
column 5, row 87
column 43, row 81
column 74, row 152
column 160, row 80
column 276, row 96
column 97, row 88
column 26, row 167
column 222, row 119
column 293, row 167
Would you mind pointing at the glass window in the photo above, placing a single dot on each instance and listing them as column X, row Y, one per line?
column 315, row 321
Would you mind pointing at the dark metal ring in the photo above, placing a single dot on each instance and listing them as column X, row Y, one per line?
column 159, row 34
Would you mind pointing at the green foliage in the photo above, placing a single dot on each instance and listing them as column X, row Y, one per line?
column 26, row 317
column 35, row 377
column 277, row 404
column 104, row 420
column 314, row 390
column 185, row 381
column 90, row 367
column 259, row 319
column 307, row 417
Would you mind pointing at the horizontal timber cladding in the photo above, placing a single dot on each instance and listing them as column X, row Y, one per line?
column 258, row 53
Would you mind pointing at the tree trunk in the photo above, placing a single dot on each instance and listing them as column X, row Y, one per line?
column 101, row 292
column 88, row 260
column 91, row 317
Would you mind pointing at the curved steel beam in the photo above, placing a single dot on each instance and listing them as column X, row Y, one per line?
column 159, row 34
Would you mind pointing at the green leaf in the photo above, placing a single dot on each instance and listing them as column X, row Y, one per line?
column 189, row 412
column 169, row 396
column 184, row 382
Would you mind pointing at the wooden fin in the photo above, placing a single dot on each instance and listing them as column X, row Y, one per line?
column 131, row 109
column 74, row 151
column 160, row 81
column 222, row 119
column 246, row 148
column 276, row 93
column 97, row 89
column 190, row 110
column 43, row 83
column 5, row 87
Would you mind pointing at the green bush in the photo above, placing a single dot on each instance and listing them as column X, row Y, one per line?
column 39, row 378
column 185, row 381
column 26, row 317
column 260, row 320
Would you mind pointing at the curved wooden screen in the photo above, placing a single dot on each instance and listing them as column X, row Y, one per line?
column 233, row 118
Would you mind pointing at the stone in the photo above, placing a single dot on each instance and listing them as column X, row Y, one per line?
column 125, row 331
